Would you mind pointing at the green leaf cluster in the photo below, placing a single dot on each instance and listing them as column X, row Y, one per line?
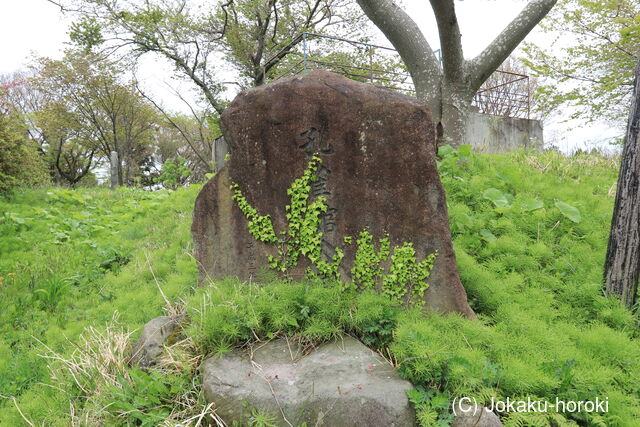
column 260, row 226
column 367, row 264
column 433, row 408
column 407, row 277
column 303, row 236
column 592, row 69
column 174, row 173
column 143, row 398
column 20, row 163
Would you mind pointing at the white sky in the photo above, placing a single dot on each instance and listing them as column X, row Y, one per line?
column 29, row 27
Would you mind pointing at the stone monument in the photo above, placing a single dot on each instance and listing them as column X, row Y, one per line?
column 377, row 172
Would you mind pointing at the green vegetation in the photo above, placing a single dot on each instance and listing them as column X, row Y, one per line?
column 174, row 174
column 232, row 313
column 20, row 164
column 530, row 233
column 303, row 236
column 70, row 260
column 367, row 268
column 596, row 62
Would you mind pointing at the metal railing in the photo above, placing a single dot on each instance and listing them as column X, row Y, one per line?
column 505, row 93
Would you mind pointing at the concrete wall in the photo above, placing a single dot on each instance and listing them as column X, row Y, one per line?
column 494, row 134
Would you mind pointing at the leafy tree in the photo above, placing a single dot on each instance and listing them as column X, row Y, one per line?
column 88, row 110
column 174, row 173
column 593, row 74
column 21, row 96
column 449, row 90
column 190, row 136
column 50, row 127
column 67, row 151
column 249, row 37
column 20, row 163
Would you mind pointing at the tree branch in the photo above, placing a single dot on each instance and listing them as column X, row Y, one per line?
column 415, row 51
column 450, row 39
column 481, row 67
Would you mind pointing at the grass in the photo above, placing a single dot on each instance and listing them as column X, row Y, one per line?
column 531, row 267
column 69, row 261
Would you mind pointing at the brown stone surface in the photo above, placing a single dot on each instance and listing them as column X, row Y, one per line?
column 378, row 172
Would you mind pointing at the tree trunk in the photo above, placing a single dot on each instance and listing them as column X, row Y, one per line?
column 622, row 264
column 451, row 124
column 448, row 90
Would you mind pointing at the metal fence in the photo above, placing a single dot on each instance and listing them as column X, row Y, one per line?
column 504, row 94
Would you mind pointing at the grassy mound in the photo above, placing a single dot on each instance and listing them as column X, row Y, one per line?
column 530, row 233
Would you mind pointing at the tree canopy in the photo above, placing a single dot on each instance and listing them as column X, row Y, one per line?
column 20, row 164
column 216, row 45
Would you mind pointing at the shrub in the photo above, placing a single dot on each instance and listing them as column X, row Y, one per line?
column 20, row 163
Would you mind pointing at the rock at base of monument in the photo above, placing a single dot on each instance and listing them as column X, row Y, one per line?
column 475, row 416
column 342, row 383
column 149, row 346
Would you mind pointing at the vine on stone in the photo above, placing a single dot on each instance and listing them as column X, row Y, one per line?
column 406, row 280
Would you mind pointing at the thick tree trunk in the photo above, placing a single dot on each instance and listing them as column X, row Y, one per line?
column 456, row 99
column 622, row 264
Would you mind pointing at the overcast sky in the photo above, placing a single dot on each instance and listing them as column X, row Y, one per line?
column 29, row 27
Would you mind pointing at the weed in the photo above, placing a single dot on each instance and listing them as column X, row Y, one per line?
column 50, row 292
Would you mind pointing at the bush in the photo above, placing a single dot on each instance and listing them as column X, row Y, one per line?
column 20, row 163
column 174, row 173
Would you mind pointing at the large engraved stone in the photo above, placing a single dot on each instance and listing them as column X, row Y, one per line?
column 378, row 173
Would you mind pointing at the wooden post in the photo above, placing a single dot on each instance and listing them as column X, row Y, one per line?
column 622, row 264
column 115, row 178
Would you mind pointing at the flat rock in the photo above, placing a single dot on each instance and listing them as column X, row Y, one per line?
column 378, row 173
column 342, row 383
